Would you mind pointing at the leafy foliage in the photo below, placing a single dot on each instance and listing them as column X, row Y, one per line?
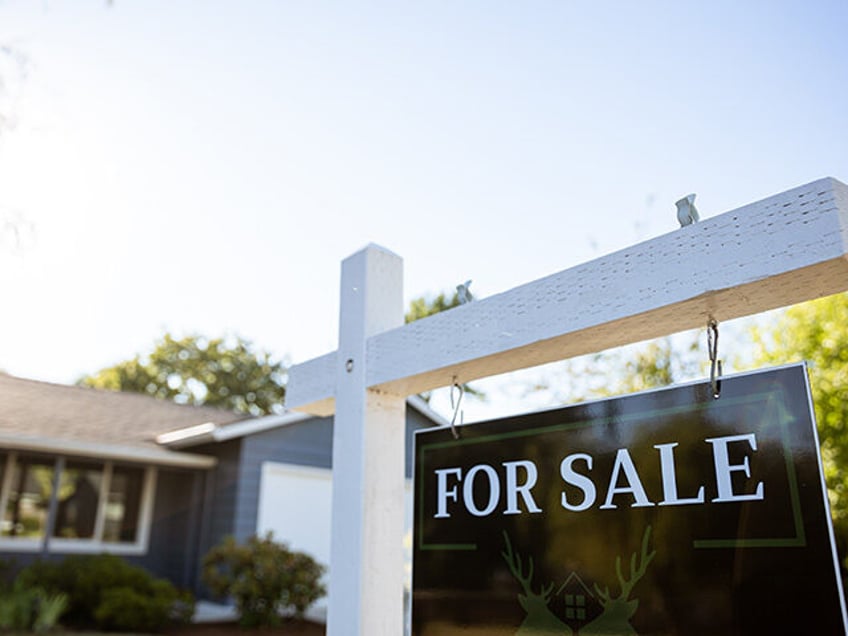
column 107, row 593
column 30, row 609
column 149, row 609
column 657, row 363
column 638, row 367
column 817, row 331
column 422, row 307
column 264, row 578
column 223, row 372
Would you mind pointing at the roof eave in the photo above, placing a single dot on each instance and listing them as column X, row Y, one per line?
column 209, row 433
column 422, row 406
column 121, row 452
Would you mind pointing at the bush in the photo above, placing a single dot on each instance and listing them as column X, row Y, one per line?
column 127, row 609
column 264, row 578
column 30, row 609
column 105, row 592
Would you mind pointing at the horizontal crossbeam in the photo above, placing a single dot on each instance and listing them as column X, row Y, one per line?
column 785, row 249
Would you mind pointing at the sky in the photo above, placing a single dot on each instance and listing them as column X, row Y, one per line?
column 204, row 167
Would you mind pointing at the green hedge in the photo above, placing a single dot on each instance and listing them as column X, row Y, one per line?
column 107, row 593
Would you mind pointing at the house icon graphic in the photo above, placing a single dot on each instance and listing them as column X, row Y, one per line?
column 574, row 608
column 577, row 602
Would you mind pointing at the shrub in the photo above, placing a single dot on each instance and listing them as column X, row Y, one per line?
column 50, row 610
column 264, row 578
column 105, row 592
column 30, row 609
column 128, row 609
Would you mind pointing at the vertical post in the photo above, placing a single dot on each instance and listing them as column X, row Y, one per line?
column 366, row 550
column 192, row 553
column 53, row 505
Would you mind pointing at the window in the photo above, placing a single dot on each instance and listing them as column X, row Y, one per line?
column 123, row 505
column 575, row 606
column 78, row 498
column 97, row 506
column 29, row 489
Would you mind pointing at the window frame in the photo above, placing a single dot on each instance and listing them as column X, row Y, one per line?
column 94, row 545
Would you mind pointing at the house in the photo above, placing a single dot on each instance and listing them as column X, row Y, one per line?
column 90, row 471
column 580, row 605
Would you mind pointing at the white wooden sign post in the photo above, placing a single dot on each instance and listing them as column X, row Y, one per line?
column 786, row 249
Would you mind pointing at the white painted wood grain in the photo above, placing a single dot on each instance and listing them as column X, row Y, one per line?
column 366, row 549
column 785, row 249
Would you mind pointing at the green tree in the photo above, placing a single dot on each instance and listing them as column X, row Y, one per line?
column 817, row 332
column 638, row 367
column 659, row 363
column 223, row 372
column 422, row 307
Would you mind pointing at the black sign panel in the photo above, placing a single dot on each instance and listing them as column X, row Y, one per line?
column 660, row 513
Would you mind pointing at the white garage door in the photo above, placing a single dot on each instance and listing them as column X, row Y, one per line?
column 295, row 503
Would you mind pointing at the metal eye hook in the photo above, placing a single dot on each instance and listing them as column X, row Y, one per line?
column 715, row 363
column 455, row 406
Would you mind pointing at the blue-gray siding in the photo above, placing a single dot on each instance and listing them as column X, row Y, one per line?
column 173, row 552
column 307, row 443
column 221, row 493
column 195, row 509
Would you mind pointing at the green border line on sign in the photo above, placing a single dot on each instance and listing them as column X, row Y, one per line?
column 781, row 416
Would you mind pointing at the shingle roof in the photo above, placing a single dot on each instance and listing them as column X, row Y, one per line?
column 78, row 414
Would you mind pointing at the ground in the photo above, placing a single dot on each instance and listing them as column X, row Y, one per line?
column 288, row 628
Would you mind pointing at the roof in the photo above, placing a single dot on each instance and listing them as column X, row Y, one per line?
column 93, row 422
column 210, row 432
column 59, row 418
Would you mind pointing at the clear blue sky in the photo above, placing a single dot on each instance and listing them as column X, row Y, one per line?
column 205, row 166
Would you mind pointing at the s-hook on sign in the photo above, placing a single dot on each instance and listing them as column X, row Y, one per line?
column 665, row 512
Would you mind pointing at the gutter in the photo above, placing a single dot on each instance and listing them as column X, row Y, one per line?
column 122, row 452
column 422, row 406
column 211, row 432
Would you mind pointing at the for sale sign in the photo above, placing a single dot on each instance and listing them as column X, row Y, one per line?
column 666, row 512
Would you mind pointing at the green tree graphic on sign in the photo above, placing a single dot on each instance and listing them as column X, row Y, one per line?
column 614, row 620
column 540, row 621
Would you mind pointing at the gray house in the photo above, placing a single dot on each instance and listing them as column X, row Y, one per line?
column 89, row 471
